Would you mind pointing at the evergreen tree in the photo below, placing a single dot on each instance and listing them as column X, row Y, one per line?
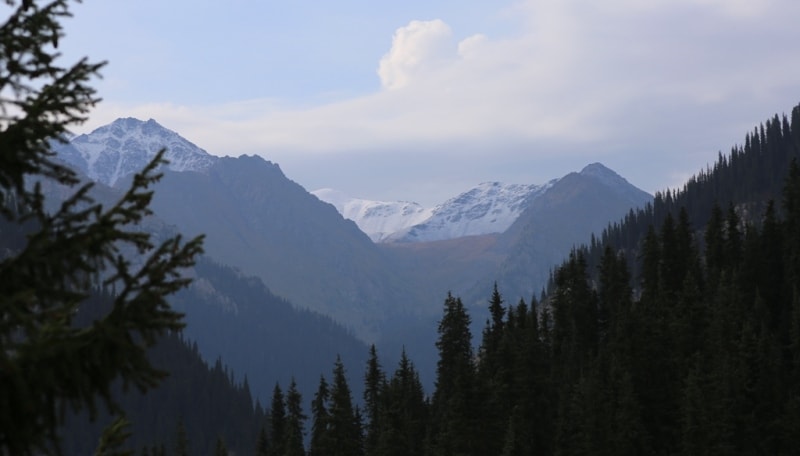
column 575, row 327
column 650, row 258
column 495, row 370
column 295, row 422
column 220, row 449
column 374, row 384
column 494, row 328
column 791, row 209
column 771, row 273
column 453, row 429
column 320, row 426
column 262, row 445
column 403, row 417
column 344, row 428
column 715, row 244
column 278, row 422
column 48, row 363
column 181, row 441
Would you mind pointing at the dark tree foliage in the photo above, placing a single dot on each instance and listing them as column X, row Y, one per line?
column 295, row 422
column 277, row 416
column 220, row 448
column 676, row 332
column 262, row 446
column 344, row 427
column 320, row 426
column 454, row 406
column 374, row 386
column 403, row 413
column 49, row 363
column 198, row 400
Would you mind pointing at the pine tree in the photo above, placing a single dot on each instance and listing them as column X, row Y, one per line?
column 495, row 370
column 47, row 361
column 575, row 329
column 650, row 258
column 772, row 278
column 344, row 429
column 791, row 208
column 403, row 417
column 278, row 422
column 320, row 433
column 262, row 445
column 219, row 448
column 454, row 423
column 494, row 328
column 374, row 384
column 295, row 422
column 181, row 441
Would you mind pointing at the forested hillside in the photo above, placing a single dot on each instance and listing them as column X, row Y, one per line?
column 195, row 407
column 236, row 317
column 676, row 331
column 697, row 352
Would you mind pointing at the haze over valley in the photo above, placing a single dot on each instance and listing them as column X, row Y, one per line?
column 350, row 228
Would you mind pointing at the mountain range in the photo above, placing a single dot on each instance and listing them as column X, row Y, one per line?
column 385, row 281
column 490, row 207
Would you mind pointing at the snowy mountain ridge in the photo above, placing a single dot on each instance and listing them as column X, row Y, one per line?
column 378, row 219
column 125, row 146
column 490, row 207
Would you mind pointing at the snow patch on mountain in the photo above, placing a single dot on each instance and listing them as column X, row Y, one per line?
column 378, row 219
column 125, row 146
column 491, row 207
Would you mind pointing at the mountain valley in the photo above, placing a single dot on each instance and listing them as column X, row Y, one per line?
column 305, row 251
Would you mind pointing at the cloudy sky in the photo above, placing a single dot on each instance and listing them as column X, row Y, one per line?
column 420, row 100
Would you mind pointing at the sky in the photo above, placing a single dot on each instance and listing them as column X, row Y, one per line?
column 421, row 100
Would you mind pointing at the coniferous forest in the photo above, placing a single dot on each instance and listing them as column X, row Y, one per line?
column 676, row 331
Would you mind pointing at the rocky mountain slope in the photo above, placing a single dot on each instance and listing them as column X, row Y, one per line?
column 258, row 220
column 125, row 146
column 491, row 207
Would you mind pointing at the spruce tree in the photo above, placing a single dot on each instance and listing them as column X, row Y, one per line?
column 220, row 449
column 454, row 424
column 344, row 428
column 262, row 445
column 320, row 420
column 374, row 384
column 494, row 327
column 181, row 441
column 278, row 420
column 48, row 362
column 295, row 422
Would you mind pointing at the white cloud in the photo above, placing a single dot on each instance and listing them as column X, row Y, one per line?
column 416, row 48
column 471, row 45
column 615, row 77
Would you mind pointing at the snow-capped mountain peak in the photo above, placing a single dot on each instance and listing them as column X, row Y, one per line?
column 126, row 145
column 490, row 207
column 378, row 219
